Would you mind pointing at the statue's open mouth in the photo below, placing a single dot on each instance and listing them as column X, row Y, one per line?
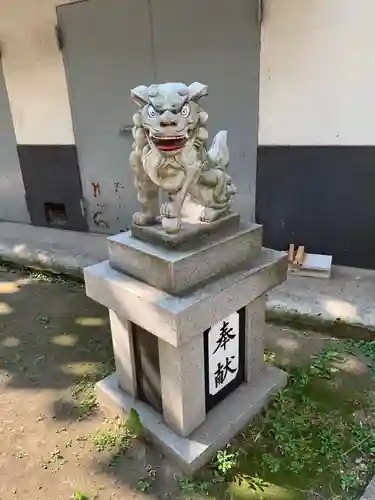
column 169, row 143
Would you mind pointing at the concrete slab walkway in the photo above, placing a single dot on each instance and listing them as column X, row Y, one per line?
column 369, row 494
column 52, row 249
column 343, row 305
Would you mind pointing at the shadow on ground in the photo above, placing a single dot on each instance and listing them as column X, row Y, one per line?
column 51, row 335
column 53, row 339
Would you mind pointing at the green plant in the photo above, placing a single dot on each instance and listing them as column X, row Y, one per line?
column 134, row 424
column 104, row 440
column 85, row 398
column 302, row 432
column 44, row 319
column 271, row 463
column 322, row 365
column 79, row 495
column 225, row 461
column 107, row 440
column 366, row 348
column 350, row 481
column 84, row 394
column 254, row 483
column 190, row 486
column 42, row 275
column 143, row 485
column 269, row 356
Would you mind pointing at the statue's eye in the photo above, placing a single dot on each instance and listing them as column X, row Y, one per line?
column 151, row 111
column 185, row 110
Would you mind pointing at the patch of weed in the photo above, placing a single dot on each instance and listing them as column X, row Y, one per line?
column 79, row 495
column 104, row 440
column 44, row 320
column 192, row 486
column 85, row 397
column 84, row 393
column 366, row 348
column 304, row 439
column 120, row 438
column 143, row 484
column 19, row 360
column 151, row 471
column 42, row 275
column 134, row 424
column 225, row 461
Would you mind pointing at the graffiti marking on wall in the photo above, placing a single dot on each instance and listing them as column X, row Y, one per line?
column 98, row 217
column 118, row 186
column 96, row 188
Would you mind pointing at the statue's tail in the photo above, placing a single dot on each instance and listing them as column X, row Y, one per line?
column 219, row 152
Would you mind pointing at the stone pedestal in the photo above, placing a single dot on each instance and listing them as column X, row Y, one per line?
column 188, row 329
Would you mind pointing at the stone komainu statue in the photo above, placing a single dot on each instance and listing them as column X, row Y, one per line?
column 170, row 153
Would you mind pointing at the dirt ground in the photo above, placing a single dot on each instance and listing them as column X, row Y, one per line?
column 51, row 336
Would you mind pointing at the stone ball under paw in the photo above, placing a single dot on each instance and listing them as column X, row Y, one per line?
column 170, row 225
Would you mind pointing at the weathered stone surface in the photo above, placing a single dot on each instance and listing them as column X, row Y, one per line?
column 254, row 342
column 183, row 385
column 221, row 425
column 191, row 232
column 369, row 494
column 170, row 152
column 179, row 270
column 122, row 339
column 178, row 319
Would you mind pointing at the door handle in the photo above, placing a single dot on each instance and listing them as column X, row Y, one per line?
column 126, row 129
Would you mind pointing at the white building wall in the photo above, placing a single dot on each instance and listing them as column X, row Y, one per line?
column 34, row 72
column 318, row 73
column 316, row 82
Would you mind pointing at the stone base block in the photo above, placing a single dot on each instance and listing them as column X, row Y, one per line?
column 177, row 320
column 221, row 425
column 189, row 234
column 178, row 271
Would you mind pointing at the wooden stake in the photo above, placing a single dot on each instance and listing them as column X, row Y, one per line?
column 291, row 253
column 299, row 256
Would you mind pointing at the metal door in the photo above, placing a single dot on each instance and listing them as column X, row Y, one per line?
column 12, row 193
column 111, row 46
column 217, row 43
column 107, row 51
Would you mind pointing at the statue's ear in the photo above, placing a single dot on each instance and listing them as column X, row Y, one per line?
column 140, row 95
column 197, row 90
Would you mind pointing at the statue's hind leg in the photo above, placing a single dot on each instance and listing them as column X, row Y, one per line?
column 212, row 214
column 213, row 194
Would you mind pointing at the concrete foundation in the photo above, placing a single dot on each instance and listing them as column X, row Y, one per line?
column 188, row 332
column 223, row 423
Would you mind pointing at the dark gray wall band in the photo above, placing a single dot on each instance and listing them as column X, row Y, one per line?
column 322, row 197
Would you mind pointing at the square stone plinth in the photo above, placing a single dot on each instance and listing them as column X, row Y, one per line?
column 190, row 232
column 164, row 351
column 179, row 270
column 177, row 320
column 221, row 425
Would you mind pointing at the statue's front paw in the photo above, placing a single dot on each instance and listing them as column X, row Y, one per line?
column 167, row 210
column 143, row 219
